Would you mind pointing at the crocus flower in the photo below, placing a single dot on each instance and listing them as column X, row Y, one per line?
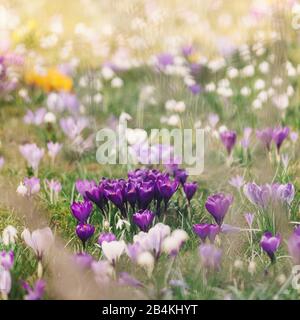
column 32, row 185
column 39, row 240
column 249, row 217
column 228, row 139
column 103, row 271
column 145, row 194
column 217, row 205
column 36, row 292
column 83, row 260
column 6, row 260
column 54, row 185
column 54, row 188
column 113, row 250
column 5, row 282
column 9, row 235
column 96, row 194
column 190, row 189
column 265, row 136
column 134, row 250
column 153, row 239
column 172, row 244
column 285, row 193
column 279, row 135
column 270, row 244
column 210, row 256
column 181, row 175
column 246, row 138
column 106, row 236
column 258, row 195
column 237, row 182
column 116, row 195
column 36, row 118
column 143, row 219
column 53, row 149
column 82, row 186
column 131, row 194
column 167, row 188
column 32, row 154
column 125, row 279
column 84, row 231
column 82, row 210
column 294, row 246
column 204, row 230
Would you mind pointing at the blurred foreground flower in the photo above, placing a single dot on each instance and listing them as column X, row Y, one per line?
column 210, row 256
column 35, row 293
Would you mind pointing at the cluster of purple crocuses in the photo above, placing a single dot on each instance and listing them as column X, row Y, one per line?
column 266, row 136
column 146, row 194
column 277, row 135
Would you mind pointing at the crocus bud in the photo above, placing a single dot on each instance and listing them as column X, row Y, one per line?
column 85, row 231
column 228, row 139
column 190, row 189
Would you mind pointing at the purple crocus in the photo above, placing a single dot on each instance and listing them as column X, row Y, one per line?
column 258, row 195
column 82, row 186
column 97, row 195
column 190, row 189
column 106, row 236
column 167, row 188
column 143, row 219
column 36, row 292
column 228, row 139
column 294, row 246
column 116, row 195
column 125, row 279
column 249, row 217
column 279, row 135
column 82, row 210
column 131, row 194
column 217, row 205
column 181, row 175
column 265, row 136
column 210, row 256
column 270, row 244
column 85, row 231
column 205, row 230
column 83, row 260
column 145, row 194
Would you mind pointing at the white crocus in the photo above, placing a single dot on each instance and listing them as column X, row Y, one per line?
column 113, row 250
column 40, row 240
column 9, row 235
